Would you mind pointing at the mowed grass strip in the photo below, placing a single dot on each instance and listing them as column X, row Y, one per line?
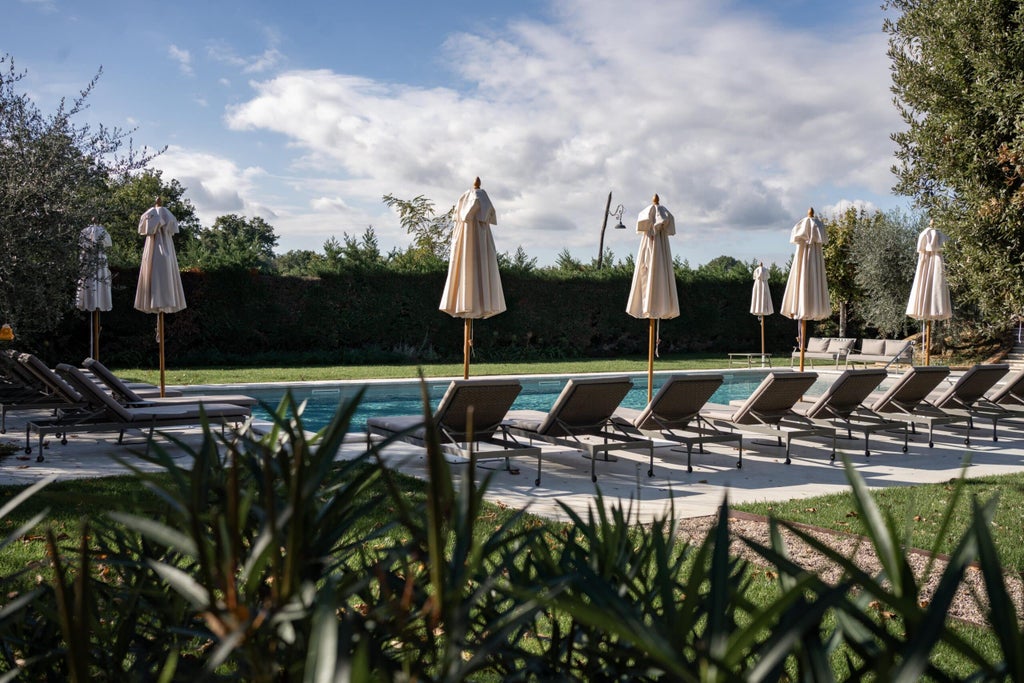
column 918, row 512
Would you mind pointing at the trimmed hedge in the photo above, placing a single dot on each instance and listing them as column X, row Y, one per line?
column 243, row 317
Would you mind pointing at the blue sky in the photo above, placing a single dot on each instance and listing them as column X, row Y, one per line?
column 740, row 114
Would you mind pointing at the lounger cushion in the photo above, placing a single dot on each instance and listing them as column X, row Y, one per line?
column 872, row 347
column 894, row 347
column 817, row 344
column 840, row 345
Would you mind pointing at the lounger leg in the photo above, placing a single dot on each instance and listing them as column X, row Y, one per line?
column 995, row 425
column 3, row 419
column 650, row 470
column 536, row 482
column 593, row 465
column 867, row 451
column 689, row 453
column 739, row 462
column 788, row 442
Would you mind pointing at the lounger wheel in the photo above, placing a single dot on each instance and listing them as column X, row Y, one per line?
column 593, row 478
column 739, row 464
column 689, row 468
column 39, row 458
column 650, row 472
column 28, row 450
column 536, row 482
column 905, row 448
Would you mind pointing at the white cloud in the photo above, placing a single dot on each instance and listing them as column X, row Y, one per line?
column 738, row 124
column 215, row 185
column 183, row 58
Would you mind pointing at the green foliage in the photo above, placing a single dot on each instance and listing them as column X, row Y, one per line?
column 839, row 263
column 236, row 242
column 264, row 559
column 52, row 185
column 884, row 251
column 432, row 234
column 352, row 254
column 956, row 70
column 129, row 196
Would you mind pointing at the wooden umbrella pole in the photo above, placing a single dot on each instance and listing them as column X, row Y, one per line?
column 803, row 342
column 467, row 340
column 762, row 339
column 927, row 342
column 650, row 362
column 96, row 335
column 160, row 332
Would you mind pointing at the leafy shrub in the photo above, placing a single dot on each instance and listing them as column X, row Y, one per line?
column 269, row 559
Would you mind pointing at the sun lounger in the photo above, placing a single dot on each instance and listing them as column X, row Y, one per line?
column 1009, row 395
column 842, row 405
column 769, row 410
column 128, row 396
column 48, row 392
column 967, row 396
column 103, row 413
column 674, row 415
column 580, row 418
column 468, row 416
column 907, row 400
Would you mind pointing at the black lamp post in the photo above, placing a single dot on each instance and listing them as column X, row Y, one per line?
column 619, row 226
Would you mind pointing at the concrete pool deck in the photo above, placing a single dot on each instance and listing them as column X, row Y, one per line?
column 566, row 474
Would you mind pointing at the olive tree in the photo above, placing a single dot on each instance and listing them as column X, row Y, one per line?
column 956, row 72
column 53, row 177
column 884, row 256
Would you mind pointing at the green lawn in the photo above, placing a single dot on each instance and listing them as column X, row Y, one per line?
column 246, row 375
column 918, row 511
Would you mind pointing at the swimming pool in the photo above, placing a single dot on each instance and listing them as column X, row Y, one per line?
column 386, row 398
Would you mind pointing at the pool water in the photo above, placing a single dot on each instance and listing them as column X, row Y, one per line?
column 403, row 398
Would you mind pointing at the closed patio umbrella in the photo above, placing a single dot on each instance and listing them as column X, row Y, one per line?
column 653, row 293
column 159, row 289
column 94, row 285
column 761, row 301
column 473, row 288
column 929, row 295
column 806, row 296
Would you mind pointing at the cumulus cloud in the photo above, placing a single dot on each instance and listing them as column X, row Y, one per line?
column 214, row 184
column 739, row 124
column 183, row 58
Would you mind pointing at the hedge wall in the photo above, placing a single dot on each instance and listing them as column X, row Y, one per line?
column 240, row 317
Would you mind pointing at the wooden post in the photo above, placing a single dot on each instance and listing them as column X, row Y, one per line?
column 160, row 332
column 95, row 335
column 762, row 339
column 927, row 342
column 803, row 342
column 650, row 362
column 467, row 341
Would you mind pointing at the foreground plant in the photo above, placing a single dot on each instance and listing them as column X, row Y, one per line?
column 269, row 558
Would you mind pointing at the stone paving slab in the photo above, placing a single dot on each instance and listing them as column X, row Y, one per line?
column 566, row 473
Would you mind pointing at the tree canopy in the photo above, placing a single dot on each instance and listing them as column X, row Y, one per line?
column 958, row 78
column 53, row 176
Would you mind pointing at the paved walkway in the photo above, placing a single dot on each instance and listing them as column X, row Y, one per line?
column 566, row 474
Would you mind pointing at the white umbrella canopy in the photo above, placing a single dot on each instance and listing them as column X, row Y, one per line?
column 159, row 289
column 94, row 286
column 473, row 288
column 929, row 295
column 653, row 294
column 806, row 296
column 761, row 300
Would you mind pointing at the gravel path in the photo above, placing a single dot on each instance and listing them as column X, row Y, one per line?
column 968, row 605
